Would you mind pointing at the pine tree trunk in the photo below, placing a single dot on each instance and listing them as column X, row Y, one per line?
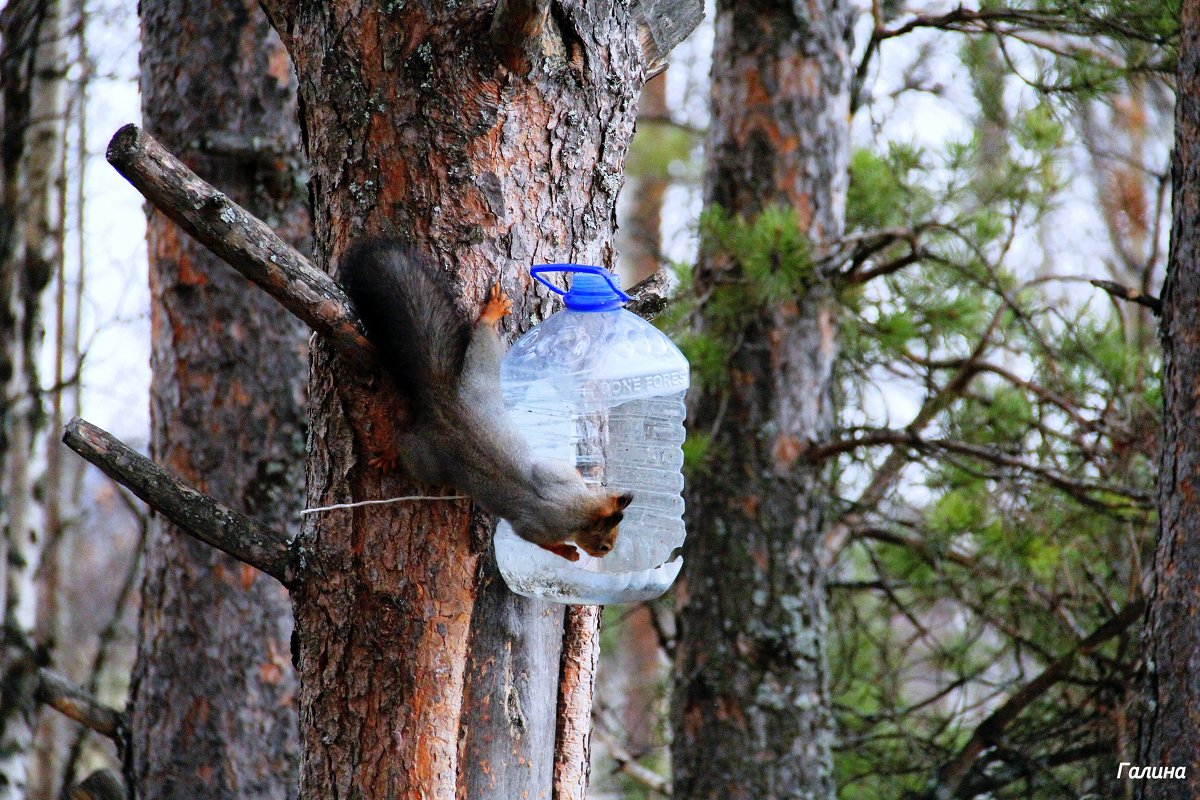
column 414, row 128
column 1169, row 734
column 641, row 238
column 213, row 701
column 32, row 106
column 751, row 710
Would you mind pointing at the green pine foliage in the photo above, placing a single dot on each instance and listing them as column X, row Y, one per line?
column 1010, row 410
column 1022, row 507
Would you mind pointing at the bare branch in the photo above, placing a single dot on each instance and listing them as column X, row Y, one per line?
column 108, row 635
column 629, row 765
column 516, row 30
column 242, row 240
column 580, row 654
column 102, row 785
column 988, row 732
column 1121, row 292
column 245, row 148
column 967, row 20
column 69, row 700
column 888, row 473
column 1078, row 488
column 196, row 513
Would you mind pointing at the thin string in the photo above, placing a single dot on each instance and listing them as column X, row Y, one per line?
column 383, row 502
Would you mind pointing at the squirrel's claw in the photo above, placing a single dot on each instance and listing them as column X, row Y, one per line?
column 497, row 307
column 386, row 460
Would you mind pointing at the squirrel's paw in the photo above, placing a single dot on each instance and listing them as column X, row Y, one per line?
column 563, row 549
column 497, row 307
column 387, row 459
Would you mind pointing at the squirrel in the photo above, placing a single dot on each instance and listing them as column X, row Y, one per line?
column 460, row 433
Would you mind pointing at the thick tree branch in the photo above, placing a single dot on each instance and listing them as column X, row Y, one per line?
column 242, row 240
column 102, row 785
column 988, row 732
column 69, row 700
column 197, row 514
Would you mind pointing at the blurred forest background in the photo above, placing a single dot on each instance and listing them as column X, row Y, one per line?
column 991, row 518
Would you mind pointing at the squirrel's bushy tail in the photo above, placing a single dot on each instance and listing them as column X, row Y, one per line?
column 410, row 317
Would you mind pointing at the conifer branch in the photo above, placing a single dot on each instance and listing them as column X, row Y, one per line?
column 626, row 763
column 988, row 733
column 664, row 24
column 650, row 295
column 1078, row 488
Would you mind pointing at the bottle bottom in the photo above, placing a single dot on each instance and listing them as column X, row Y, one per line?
column 533, row 572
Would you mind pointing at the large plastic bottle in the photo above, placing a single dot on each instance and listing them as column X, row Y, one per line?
column 602, row 389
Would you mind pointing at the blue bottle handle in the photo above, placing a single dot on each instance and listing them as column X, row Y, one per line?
column 542, row 269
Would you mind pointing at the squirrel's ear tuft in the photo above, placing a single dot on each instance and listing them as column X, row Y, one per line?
column 623, row 500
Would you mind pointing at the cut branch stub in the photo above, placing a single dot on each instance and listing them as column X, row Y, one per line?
column 201, row 516
column 517, row 27
column 245, row 242
column 102, row 785
column 664, row 24
column 650, row 295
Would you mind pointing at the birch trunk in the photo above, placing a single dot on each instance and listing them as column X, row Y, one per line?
column 32, row 107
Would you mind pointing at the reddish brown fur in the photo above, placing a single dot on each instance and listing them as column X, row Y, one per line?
column 598, row 538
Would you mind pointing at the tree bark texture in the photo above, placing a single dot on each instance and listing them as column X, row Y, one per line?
column 576, row 686
column 213, row 701
column 1170, row 726
column 414, row 128
column 32, row 106
column 751, row 711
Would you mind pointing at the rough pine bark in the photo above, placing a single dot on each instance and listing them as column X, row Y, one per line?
column 751, row 712
column 1170, row 726
column 439, row 123
column 32, row 106
column 213, row 701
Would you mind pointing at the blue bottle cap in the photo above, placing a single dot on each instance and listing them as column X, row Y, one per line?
column 592, row 288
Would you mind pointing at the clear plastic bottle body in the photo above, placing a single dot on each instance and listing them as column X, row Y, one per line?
column 604, row 392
